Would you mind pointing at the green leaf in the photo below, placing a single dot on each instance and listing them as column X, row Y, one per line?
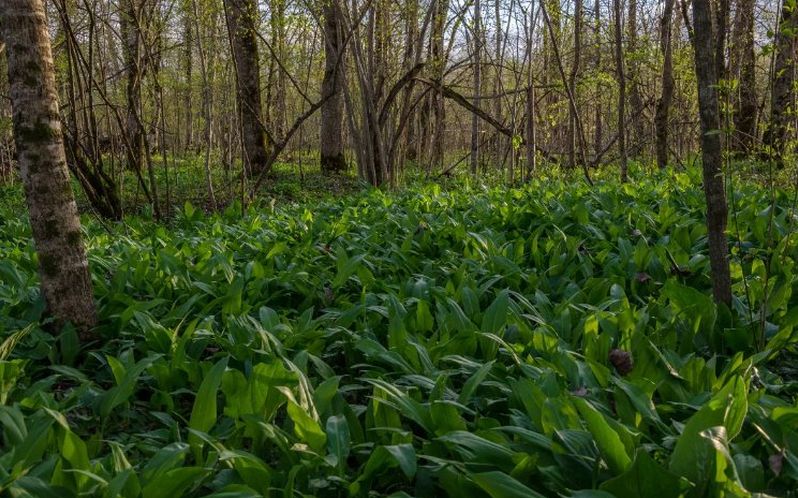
column 338, row 439
column 500, row 485
column 693, row 455
column 608, row 441
column 645, row 478
column 203, row 414
column 495, row 316
column 174, row 483
column 306, row 428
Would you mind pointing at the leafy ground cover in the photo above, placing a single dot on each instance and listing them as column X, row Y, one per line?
column 551, row 340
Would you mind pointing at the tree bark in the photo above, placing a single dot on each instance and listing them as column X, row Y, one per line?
column 706, row 66
column 331, row 142
column 241, row 24
column 63, row 267
column 134, row 69
column 664, row 103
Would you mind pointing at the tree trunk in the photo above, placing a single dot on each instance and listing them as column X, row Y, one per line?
column 664, row 103
column 477, row 86
column 598, row 132
column 63, row 267
column 744, row 69
column 188, row 45
column 572, row 78
column 331, row 142
column 241, row 25
column 531, row 132
column 619, row 73
column 438, row 67
column 131, row 39
column 706, row 66
column 782, row 100
column 635, row 130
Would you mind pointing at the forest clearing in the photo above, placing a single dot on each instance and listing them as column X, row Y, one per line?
column 328, row 248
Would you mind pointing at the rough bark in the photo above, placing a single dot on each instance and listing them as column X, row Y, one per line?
column 711, row 155
column 331, row 141
column 664, row 103
column 63, row 267
column 241, row 24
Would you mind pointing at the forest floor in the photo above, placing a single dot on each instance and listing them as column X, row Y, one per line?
column 457, row 340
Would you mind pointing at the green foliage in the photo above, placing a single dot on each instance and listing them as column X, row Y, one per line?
column 429, row 342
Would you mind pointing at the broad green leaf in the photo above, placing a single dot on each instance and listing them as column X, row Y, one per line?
column 608, row 441
column 500, row 485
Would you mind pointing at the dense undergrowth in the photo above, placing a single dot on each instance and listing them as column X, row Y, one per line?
column 552, row 340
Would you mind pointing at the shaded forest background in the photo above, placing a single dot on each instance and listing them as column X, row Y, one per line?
column 206, row 99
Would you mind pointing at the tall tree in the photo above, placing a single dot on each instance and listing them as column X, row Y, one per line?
column 188, row 69
column 621, row 77
column 130, row 29
column 332, row 141
column 477, row 85
column 706, row 67
column 782, row 102
column 531, row 131
column 438, row 67
column 634, row 130
column 572, row 79
column 63, row 267
column 664, row 103
column 242, row 16
column 743, row 65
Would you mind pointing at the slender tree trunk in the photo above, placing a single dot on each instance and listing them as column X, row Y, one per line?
column 620, row 76
column 744, row 68
column 241, row 24
column 635, row 130
column 498, row 56
column 63, row 267
column 131, row 36
column 331, row 142
column 411, row 57
column 438, row 67
column 783, row 97
column 722, row 8
column 477, row 86
column 664, row 103
column 188, row 69
column 569, row 93
column 574, row 74
column 277, row 21
column 598, row 132
column 531, row 132
column 711, row 158
column 207, row 105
